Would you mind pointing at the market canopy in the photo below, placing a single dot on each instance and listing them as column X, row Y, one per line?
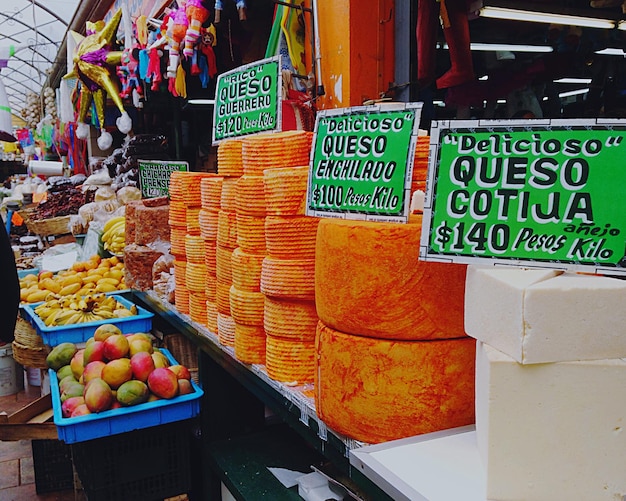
column 36, row 29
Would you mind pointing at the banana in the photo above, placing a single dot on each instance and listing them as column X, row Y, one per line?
column 112, row 222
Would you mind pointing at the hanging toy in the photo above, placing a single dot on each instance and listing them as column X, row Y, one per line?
column 176, row 30
column 197, row 15
column 93, row 58
column 241, row 8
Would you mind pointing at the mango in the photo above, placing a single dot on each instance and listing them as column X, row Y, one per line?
column 185, row 387
column 72, row 389
column 98, row 395
column 80, row 410
column 93, row 370
column 142, row 365
column 66, row 382
column 71, row 288
column 105, row 330
column 37, row 296
column 115, row 346
column 163, row 383
column 160, row 360
column 61, row 355
column 132, row 392
column 76, row 364
column 93, row 351
column 117, row 372
column 70, row 404
column 66, row 370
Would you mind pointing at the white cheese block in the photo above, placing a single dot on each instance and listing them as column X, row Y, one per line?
column 554, row 431
column 537, row 316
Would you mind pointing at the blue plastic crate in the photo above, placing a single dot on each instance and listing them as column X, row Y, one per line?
column 31, row 271
column 124, row 419
column 79, row 333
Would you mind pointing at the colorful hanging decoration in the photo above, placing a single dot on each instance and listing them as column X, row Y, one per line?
column 93, row 58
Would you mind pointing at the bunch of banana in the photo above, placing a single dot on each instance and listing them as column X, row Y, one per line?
column 76, row 309
column 114, row 235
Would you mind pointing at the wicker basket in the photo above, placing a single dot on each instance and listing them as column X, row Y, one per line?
column 184, row 351
column 28, row 347
column 59, row 225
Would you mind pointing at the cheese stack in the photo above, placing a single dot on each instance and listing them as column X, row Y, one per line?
column 178, row 230
column 230, row 166
column 550, row 382
column 195, row 277
column 185, row 205
column 393, row 359
column 210, row 197
column 420, row 164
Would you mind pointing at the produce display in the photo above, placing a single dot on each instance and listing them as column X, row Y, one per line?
column 114, row 235
column 77, row 309
column 84, row 277
column 114, row 370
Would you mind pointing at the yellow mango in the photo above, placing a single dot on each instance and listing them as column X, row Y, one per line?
column 92, row 279
column 72, row 279
column 37, row 296
column 72, row 288
column 112, row 281
column 45, row 274
column 114, row 273
column 51, row 285
column 105, row 287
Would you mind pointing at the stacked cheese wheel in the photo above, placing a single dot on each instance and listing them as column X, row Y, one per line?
column 393, row 357
column 185, row 206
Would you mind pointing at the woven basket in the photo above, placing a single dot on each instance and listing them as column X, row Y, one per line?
column 59, row 225
column 184, row 351
column 28, row 347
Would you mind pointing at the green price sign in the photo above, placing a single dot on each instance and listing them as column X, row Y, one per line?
column 545, row 193
column 154, row 176
column 362, row 161
column 247, row 100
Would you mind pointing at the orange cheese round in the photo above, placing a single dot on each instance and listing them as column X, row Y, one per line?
column 246, row 270
column 375, row 390
column 195, row 248
column 177, row 239
column 210, row 258
column 222, row 296
column 292, row 278
column 225, row 329
column 211, row 316
column 228, row 196
column 251, row 233
column 369, row 282
column 290, row 360
column 193, row 220
column 249, row 196
column 227, row 229
column 195, row 277
column 197, row 307
column 211, row 192
column 208, row 220
column 291, row 237
column 229, row 159
column 224, row 267
column 290, row 318
column 285, row 190
column 249, row 343
column 246, row 307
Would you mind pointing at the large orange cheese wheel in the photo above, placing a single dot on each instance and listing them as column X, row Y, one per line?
column 211, row 316
column 195, row 248
column 177, row 239
column 293, row 278
column 285, row 190
column 191, row 185
column 246, row 270
column 251, row 233
column 210, row 258
column 227, row 229
column 222, row 296
column 228, row 196
column 229, row 160
column 208, row 220
column 224, row 267
column 177, row 213
column 375, row 390
column 225, row 329
column 197, row 307
column 195, row 277
column 290, row 360
column 291, row 237
column 246, row 307
column 280, row 149
column 249, row 343
column 211, row 192
column 210, row 287
column 249, row 196
column 369, row 282
column 193, row 220
column 290, row 318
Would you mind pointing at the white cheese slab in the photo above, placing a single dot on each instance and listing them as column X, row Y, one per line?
column 553, row 431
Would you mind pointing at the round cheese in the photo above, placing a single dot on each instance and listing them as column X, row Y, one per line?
column 210, row 258
column 197, row 307
column 246, row 307
column 229, row 158
column 211, row 316
column 195, row 277
column 228, row 196
column 193, row 220
column 227, row 229
column 375, row 390
column 177, row 213
column 246, row 270
column 249, row 196
column 177, row 239
column 222, row 296
column 291, row 237
column 285, row 190
column 225, row 329
column 223, row 270
column 251, row 233
column 289, row 360
column 249, row 343
column 210, row 287
column 278, row 149
column 370, row 282
column 195, row 248
column 290, row 318
column 288, row 278
column 211, row 192
column 208, row 220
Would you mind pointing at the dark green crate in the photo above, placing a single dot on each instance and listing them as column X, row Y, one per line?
column 52, row 463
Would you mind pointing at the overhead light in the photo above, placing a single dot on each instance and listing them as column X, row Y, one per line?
column 569, row 80
column 611, row 51
column 503, row 47
column 547, row 17
column 573, row 93
column 621, row 25
column 201, row 101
